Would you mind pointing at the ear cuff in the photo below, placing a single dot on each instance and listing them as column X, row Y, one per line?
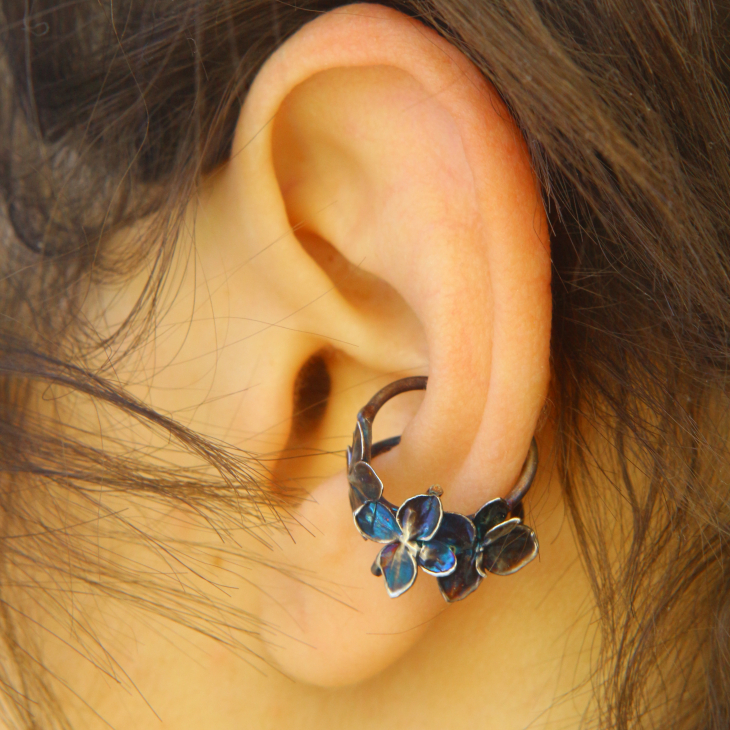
column 458, row 550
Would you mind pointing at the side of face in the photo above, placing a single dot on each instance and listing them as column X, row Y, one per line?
column 379, row 218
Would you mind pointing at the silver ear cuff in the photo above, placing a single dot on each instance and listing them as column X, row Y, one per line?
column 458, row 550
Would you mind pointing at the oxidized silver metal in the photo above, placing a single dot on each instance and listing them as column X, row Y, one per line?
column 458, row 550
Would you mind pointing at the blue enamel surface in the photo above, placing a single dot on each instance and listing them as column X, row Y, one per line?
column 399, row 568
column 437, row 558
column 457, row 531
column 376, row 522
column 420, row 517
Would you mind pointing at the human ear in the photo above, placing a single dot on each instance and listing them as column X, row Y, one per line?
column 380, row 175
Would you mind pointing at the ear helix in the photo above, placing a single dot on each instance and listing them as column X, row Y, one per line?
column 458, row 550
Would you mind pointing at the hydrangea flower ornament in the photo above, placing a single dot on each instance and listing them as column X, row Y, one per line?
column 456, row 549
column 409, row 537
column 488, row 542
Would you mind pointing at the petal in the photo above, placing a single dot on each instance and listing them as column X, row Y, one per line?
column 348, row 453
column 462, row 581
column 358, row 445
column 364, row 480
column 399, row 568
column 376, row 522
column 507, row 548
column 456, row 531
column 489, row 516
column 437, row 558
column 420, row 517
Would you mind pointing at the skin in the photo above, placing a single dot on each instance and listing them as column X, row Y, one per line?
column 379, row 207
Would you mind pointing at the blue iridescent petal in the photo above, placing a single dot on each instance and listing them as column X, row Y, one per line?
column 456, row 531
column 465, row 579
column 376, row 522
column 489, row 516
column 420, row 517
column 364, row 479
column 399, row 568
column 507, row 548
column 437, row 558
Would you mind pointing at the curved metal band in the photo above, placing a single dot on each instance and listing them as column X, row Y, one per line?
column 367, row 414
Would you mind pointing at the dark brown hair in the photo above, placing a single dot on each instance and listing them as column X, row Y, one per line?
column 110, row 113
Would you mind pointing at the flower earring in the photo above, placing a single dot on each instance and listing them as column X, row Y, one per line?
column 458, row 550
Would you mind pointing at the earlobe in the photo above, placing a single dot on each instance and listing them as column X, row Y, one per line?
column 368, row 145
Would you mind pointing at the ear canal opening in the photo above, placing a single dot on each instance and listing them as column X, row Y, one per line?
column 312, row 389
column 311, row 392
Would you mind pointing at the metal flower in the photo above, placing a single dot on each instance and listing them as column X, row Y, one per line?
column 365, row 484
column 489, row 542
column 408, row 534
column 458, row 550
column 459, row 533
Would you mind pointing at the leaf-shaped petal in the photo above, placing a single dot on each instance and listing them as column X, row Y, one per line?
column 420, row 517
column 364, row 479
column 464, row 579
column 399, row 568
column 348, row 453
column 376, row 522
column 490, row 515
column 507, row 548
column 437, row 558
column 456, row 531
column 358, row 446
